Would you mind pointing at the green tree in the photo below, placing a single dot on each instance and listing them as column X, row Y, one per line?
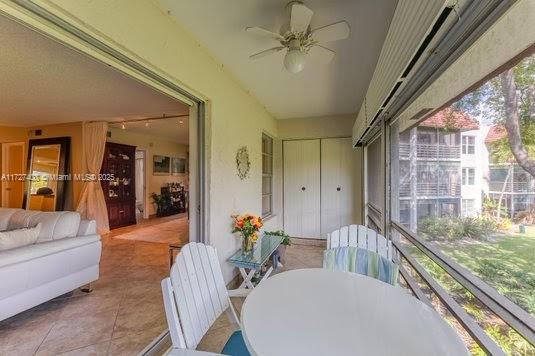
column 509, row 100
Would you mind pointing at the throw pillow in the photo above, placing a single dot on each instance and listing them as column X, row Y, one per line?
column 18, row 238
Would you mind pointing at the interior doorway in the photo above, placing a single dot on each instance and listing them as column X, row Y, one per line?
column 159, row 178
column 13, row 169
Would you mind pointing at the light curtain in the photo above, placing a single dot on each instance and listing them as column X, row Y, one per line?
column 92, row 204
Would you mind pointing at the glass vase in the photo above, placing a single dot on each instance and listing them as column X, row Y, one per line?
column 247, row 244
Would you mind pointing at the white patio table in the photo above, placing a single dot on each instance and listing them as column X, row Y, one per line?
column 319, row 312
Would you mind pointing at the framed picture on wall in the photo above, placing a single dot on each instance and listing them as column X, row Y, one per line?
column 178, row 165
column 161, row 165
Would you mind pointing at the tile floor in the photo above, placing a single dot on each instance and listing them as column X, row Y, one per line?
column 124, row 312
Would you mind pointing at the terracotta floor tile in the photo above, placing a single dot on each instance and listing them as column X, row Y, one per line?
column 97, row 301
column 139, row 317
column 100, row 349
column 132, row 344
column 79, row 331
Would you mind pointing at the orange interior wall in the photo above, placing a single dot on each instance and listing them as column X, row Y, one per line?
column 12, row 134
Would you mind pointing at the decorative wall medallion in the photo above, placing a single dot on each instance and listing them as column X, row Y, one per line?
column 242, row 162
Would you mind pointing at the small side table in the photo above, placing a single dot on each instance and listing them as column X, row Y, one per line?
column 174, row 247
column 254, row 261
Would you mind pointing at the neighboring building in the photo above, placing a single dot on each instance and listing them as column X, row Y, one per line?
column 508, row 180
column 440, row 174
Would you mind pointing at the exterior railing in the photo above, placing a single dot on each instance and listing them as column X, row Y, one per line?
column 428, row 151
column 514, row 187
column 518, row 319
column 405, row 189
column 449, row 152
column 404, row 150
column 431, row 189
column 374, row 217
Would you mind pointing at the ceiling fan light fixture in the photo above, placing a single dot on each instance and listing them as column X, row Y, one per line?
column 294, row 61
column 300, row 40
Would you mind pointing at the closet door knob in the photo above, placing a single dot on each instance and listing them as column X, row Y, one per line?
column 303, row 189
column 338, row 189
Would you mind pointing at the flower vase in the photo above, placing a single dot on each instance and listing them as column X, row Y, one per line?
column 247, row 245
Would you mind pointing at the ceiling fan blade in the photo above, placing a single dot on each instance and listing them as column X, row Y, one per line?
column 300, row 17
column 333, row 32
column 321, row 54
column 264, row 32
column 266, row 52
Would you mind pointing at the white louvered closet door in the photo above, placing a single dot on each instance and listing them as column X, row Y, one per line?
column 338, row 177
column 302, row 188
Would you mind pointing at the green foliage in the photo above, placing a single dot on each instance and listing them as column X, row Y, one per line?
column 510, row 281
column 455, row 228
column 487, row 102
column 163, row 202
column 500, row 151
column 475, row 311
column 286, row 238
column 509, row 340
column 490, row 208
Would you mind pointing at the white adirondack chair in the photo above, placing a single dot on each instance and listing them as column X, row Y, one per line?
column 195, row 295
column 360, row 236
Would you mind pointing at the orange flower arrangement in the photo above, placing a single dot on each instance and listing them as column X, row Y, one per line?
column 248, row 226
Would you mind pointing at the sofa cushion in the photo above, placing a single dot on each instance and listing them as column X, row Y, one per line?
column 87, row 227
column 18, row 238
column 30, row 252
column 54, row 225
column 5, row 216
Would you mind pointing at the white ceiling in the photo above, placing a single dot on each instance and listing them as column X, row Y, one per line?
column 44, row 82
column 320, row 90
column 169, row 129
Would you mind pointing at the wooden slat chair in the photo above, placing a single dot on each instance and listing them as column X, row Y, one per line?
column 195, row 295
column 360, row 236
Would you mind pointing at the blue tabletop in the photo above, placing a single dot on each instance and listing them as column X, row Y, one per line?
column 264, row 247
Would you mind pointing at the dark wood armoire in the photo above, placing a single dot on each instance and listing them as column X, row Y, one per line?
column 118, row 183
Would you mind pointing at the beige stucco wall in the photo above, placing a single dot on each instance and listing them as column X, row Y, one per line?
column 316, row 127
column 235, row 118
column 152, row 145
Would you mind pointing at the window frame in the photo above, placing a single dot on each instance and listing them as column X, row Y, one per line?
column 465, row 176
column 269, row 156
column 465, row 203
column 466, row 146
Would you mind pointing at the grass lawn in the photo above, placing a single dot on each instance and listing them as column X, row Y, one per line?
column 508, row 264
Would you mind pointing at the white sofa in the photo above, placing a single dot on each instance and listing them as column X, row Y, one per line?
column 65, row 257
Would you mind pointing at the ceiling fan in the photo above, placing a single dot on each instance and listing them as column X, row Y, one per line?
column 299, row 40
